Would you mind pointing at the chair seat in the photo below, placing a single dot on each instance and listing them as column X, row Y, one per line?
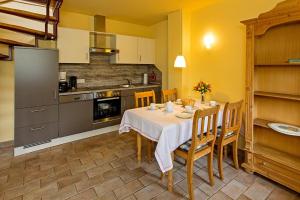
column 186, row 146
column 227, row 134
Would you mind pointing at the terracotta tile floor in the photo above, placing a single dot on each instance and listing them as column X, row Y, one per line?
column 104, row 167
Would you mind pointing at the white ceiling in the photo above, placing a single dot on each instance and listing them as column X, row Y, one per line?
column 145, row 12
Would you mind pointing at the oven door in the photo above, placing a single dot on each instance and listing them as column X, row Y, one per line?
column 107, row 108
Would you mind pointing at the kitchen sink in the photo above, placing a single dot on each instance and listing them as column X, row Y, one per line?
column 127, row 86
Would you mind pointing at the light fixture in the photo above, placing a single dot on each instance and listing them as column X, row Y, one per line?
column 180, row 62
column 208, row 40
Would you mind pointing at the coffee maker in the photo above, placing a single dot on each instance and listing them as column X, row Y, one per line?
column 73, row 82
column 63, row 84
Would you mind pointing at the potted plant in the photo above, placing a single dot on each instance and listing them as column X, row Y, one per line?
column 202, row 88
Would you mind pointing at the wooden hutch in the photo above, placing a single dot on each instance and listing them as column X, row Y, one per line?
column 273, row 93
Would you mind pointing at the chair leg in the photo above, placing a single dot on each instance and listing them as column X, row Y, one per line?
column 235, row 154
column 149, row 145
column 220, row 161
column 139, row 146
column 225, row 151
column 189, row 167
column 210, row 168
column 170, row 180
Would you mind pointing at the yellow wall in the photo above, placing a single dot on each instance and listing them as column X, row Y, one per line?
column 77, row 21
column 6, row 100
column 224, row 65
column 174, row 49
column 125, row 28
column 161, row 49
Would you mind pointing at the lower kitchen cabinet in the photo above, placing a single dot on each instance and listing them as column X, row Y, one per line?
column 35, row 134
column 75, row 117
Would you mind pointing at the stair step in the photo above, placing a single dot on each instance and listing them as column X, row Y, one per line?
column 14, row 43
column 25, row 14
column 43, row 2
column 2, row 56
column 22, row 29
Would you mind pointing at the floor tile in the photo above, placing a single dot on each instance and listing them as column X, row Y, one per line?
column 149, row 192
column 234, row 189
column 108, row 185
column 220, row 196
column 257, row 192
column 128, row 189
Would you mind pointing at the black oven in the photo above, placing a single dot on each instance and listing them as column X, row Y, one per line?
column 107, row 106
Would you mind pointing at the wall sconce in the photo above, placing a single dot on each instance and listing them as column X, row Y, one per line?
column 180, row 62
column 209, row 40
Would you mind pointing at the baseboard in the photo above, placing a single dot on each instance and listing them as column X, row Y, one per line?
column 58, row 141
column 6, row 144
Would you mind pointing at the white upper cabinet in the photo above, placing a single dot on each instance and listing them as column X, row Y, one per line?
column 134, row 50
column 146, row 51
column 73, row 45
column 128, row 50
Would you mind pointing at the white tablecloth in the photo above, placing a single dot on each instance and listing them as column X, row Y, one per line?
column 165, row 128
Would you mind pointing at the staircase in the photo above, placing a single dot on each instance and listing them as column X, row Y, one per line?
column 49, row 17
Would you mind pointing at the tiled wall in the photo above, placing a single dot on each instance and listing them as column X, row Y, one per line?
column 101, row 73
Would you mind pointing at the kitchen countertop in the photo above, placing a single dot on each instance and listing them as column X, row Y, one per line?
column 105, row 88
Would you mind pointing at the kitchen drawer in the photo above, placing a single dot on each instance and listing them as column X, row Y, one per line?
column 278, row 172
column 36, row 115
column 35, row 134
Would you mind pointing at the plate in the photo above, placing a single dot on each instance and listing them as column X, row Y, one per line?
column 184, row 115
column 285, row 129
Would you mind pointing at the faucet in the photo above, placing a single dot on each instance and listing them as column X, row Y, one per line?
column 129, row 81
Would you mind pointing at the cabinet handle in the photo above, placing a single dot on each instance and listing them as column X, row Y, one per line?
column 39, row 110
column 140, row 58
column 87, row 56
column 55, row 95
column 37, row 129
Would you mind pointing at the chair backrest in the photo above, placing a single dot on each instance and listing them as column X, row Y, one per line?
column 232, row 118
column 206, row 133
column 169, row 95
column 143, row 99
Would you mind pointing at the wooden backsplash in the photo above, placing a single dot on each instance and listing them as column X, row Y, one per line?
column 101, row 73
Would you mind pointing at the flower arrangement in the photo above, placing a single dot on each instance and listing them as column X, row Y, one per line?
column 202, row 87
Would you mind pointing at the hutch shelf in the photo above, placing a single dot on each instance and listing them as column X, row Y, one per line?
column 273, row 93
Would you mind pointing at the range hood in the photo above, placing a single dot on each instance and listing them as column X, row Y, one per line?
column 100, row 41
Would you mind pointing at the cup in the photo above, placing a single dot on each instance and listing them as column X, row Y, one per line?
column 212, row 103
column 169, row 106
column 188, row 109
column 152, row 106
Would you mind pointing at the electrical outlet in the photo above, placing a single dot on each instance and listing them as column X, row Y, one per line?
column 81, row 80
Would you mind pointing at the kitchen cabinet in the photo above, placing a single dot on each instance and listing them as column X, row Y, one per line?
column 146, row 51
column 36, row 96
column 75, row 117
column 128, row 50
column 73, row 45
column 134, row 50
column 36, row 77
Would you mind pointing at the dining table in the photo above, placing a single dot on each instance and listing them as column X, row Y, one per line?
column 168, row 129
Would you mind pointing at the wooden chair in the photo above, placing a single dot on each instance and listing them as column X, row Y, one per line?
column 201, row 144
column 229, row 133
column 143, row 99
column 169, row 95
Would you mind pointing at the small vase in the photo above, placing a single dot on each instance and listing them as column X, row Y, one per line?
column 203, row 98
